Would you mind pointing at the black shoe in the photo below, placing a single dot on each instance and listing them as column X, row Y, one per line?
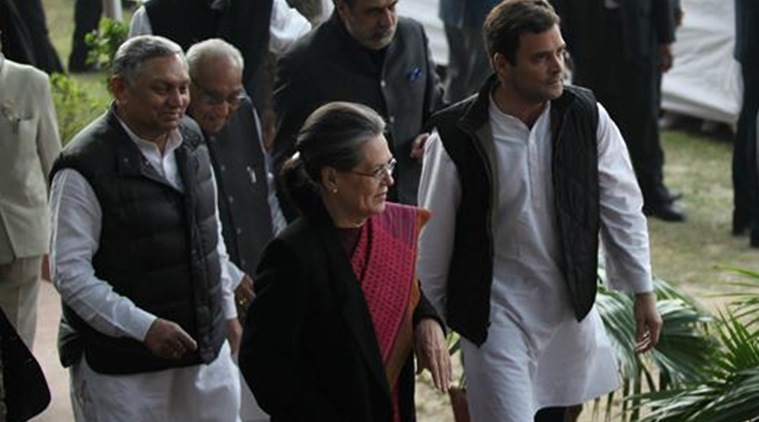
column 667, row 212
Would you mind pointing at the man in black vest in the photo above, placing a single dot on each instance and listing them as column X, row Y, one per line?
column 137, row 255
column 248, row 205
column 366, row 54
column 521, row 180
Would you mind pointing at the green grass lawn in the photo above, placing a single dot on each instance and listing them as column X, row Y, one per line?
column 691, row 253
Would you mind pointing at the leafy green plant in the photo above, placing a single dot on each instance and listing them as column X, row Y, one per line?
column 729, row 389
column 104, row 42
column 682, row 355
column 74, row 107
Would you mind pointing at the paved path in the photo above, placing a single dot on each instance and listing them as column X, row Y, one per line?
column 48, row 314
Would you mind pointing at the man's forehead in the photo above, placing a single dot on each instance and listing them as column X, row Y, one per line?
column 215, row 70
column 163, row 67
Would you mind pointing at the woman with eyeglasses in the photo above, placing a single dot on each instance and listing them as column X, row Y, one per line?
column 338, row 310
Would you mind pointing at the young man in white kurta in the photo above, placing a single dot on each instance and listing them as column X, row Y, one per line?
column 536, row 354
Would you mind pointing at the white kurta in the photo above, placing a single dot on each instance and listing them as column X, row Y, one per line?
column 536, row 354
column 196, row 393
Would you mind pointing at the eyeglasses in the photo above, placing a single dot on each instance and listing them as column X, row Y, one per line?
column 216, row 100
column 380, row 172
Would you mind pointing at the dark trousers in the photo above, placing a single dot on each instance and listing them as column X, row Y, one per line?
column 628, row 87
column 32, row 15
column 86, row 17
column 551, row 414
column 745, row 182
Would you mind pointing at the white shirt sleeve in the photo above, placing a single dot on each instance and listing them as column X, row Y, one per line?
column 76, row 220
column 235, row 273
column 327, row 8
column 48, row 141
column 140, row 24
column 439, row 192
column 624, row 231
column 286, row 26
column 228, row 284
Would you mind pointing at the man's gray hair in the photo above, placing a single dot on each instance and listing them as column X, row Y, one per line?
column 213, row 48
column 128, row 60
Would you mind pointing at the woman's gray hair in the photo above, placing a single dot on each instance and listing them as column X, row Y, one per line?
column 128, row 60
column 332, row 136
column 212, row 48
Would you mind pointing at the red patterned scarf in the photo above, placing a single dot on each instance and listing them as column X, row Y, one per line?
column 384, row 261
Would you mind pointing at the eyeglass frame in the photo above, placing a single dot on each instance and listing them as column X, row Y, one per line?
column 380, row 172
column 214, row 100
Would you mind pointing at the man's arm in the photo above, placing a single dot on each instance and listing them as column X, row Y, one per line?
column 48, row 140
column 286, row 26
column 228, row 285
column 624, row 231
column 75, row 235
column 440, row 193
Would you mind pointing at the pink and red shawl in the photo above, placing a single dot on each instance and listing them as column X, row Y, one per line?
column 384, row 261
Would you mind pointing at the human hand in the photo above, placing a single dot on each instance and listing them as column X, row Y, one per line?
column 417, row 146
column 432, row 353
column 648, row 322
column 244, row 293
column 168, row 340
column 234, row 334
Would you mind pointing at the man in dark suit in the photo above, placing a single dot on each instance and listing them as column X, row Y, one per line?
column 745, row 184
column 618, row 48
column 366, row 54
column 248, row 207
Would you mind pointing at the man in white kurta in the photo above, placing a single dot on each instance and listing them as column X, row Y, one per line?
column 536, row 354
column 188, row 392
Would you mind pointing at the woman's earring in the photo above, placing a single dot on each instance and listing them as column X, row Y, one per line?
column 334, row 190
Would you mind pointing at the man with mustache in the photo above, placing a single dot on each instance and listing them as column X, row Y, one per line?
column 522, row 180
column 137, row 254
column 363, row 53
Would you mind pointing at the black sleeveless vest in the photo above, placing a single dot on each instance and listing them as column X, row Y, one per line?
column 157, row 245
column 574, row 118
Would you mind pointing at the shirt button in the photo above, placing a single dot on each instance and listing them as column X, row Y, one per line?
column 223, row 167
column 231, row 199
column 391, row 119
column 239, row 230
column 383, row 83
